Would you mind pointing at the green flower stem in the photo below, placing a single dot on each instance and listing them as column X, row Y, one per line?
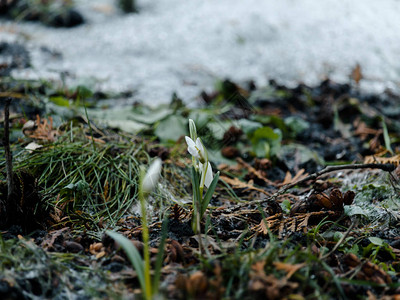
column 146, row 251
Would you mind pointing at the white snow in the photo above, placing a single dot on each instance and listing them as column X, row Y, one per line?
column 185, row 46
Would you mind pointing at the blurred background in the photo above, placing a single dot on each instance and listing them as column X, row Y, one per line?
column 156, row 48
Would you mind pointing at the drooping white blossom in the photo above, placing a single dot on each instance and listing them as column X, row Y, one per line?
column 206, row 174
column 152, row 175
column 196, row 149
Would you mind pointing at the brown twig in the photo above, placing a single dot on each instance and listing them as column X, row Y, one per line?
column 345, row 235
column 314, row 176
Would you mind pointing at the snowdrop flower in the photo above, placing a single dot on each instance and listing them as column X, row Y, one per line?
column 192, row 129
column 206, row 174
column 151, row 178
column 197, row 150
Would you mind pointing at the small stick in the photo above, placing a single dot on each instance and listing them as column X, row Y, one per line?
column 345, row 235
column 383, row 167
column 8, row 154
column 314, row 176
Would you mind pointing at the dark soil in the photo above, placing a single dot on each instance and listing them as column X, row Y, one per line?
column 274, row 228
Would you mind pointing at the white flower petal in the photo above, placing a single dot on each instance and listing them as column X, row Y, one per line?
column 199, row 145
column 209, row 176
column 202, row 151
column 151, row 178
column 192, row 148
column 190, row 142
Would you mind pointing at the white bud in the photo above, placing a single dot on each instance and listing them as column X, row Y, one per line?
column 151, row 178
column 192, row 130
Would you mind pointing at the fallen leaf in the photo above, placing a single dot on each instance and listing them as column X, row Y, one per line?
column 356, row 74
column 288, row 268
column 289, row 179
column 33, row 146
column 238, row 184
column 375, row 159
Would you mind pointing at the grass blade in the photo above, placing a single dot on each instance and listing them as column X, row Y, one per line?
column 209, row 194
column 132, row 253
column 386, row 137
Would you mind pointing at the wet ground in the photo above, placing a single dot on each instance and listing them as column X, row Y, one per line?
column 184, row 47
column 280, row 221
column 308, row 198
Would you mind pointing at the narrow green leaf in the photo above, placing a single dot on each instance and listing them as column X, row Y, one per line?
column 133, row 255
column 335, row 279
column 209, row 194
column 196, row 198
column 195, row 188
column 386, row 137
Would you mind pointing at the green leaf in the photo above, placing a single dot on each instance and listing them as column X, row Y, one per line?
column 171, row 128
column 266, row 133
column 386, row 137
column 376, row 241
column 116, row 118
column 84, row 92
column 217, row 129
column 337, row 236
column 132, row 253
column 262, row 149
column 196, row 198
column 208, row 196
column 294, row 154
column 335, row 278
column 271, row 120
column 196, row 189
column 79, row 186
column 285, row 205
column 248, row 126
column 296, row 125
column 351, row 210
column 266, row 141
column 149, row 116
column 60, row 101
column 201, row 118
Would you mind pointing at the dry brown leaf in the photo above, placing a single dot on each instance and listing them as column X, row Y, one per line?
column 51, row 238
column 238, row 184
column 258, row 267
column 289, row 179
column 96, row 140
column 194, row 285
column 43, row 130
column 304, row 222
column 288, row 268
column 262, row 228
column 356, row 74
column 253, row 171
column 272, row 287
column 371, row 296
column 363, row 131
column 271, row 223
column 375, row 159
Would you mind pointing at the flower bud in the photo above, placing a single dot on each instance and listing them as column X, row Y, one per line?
column 192, row 130
column 151, row 178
